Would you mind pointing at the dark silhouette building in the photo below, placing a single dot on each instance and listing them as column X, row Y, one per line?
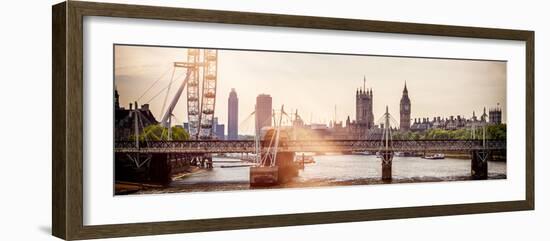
column 363, row 125
column 458, row 122
column 495, row 115
column 233, row 116
column 363, row 107
column 126, row 119
column 405, row 111
column 117, row 97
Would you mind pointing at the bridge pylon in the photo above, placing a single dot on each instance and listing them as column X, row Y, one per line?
column 479, row 170
column 386, row 152
column 479, row 164
column 387, row 157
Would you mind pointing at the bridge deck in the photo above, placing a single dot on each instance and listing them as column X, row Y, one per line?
column 247, row 146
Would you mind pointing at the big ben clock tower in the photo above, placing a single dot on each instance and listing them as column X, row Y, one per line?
column 405, row 111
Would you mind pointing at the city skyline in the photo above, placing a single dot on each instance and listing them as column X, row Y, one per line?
column 297, row 81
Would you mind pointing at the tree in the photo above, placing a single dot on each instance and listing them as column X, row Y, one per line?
column 180, row 134
column 497, row 131
column 160, row 133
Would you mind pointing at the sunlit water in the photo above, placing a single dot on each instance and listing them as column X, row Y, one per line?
column 339, row 168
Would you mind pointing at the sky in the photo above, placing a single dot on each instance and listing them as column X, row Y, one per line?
column 321, row 86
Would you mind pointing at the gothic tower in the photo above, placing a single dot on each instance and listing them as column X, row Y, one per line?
column 363, row 107
column 495, row 115
column 405, row 110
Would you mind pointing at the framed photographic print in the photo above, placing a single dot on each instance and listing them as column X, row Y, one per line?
column 171, row 120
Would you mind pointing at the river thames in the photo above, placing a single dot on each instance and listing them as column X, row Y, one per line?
column 333, row 170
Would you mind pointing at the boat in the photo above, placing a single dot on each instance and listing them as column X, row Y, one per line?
column 306, row 159
column 435, row 156
column 233, row 166
column 406, row 154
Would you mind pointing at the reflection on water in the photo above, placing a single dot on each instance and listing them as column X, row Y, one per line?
column 342, row 168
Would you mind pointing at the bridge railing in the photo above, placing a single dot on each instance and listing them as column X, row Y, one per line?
column 397, row 145
column 247, row 146
column 194, row 146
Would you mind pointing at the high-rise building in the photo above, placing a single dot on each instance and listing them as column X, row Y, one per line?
column 233, row 116
column 405, row 111
column 218, row 129
column 186, row 126
column 263, row 111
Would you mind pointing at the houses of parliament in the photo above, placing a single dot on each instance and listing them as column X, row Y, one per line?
column 364, row 126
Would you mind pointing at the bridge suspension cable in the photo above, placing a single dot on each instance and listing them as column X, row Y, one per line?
column 272, row 148
column 246, row 122
column 157, row 94
column 166, row 117
column 154, row 83
column 387, row 132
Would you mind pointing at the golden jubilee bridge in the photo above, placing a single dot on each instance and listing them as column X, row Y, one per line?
column 324, row 145
column 271, row 161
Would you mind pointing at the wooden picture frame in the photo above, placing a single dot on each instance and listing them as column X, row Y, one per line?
column 67, row 123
